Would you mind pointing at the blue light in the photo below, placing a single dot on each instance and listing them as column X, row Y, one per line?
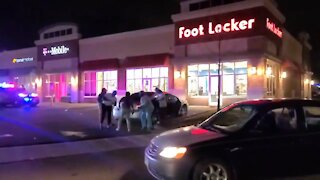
column 6, row 85
column 26, row 99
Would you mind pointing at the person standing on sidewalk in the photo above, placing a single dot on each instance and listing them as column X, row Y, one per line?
column 126, row 107
column 102, row 107
column 146, row 109
column 162, row 101
column 110, row 102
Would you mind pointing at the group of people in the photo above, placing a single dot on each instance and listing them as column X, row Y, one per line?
column 108, row 101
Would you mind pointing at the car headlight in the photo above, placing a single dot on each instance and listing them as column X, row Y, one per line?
column 22, row 95
column 173, row 152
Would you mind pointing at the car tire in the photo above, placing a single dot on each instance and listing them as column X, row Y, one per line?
column 183, row 111
column 213, row 169
column 154, row 119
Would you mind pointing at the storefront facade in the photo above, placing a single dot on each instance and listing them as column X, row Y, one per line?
column 249, row 41
column 20, row 67
column 129, row 61
column 58, row 54
column 258, row 58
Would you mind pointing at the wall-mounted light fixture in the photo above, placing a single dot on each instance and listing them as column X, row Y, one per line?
column 312, row 82
column 253, row 70
column 38, row 81
column 74, row 81
column 306, row 81
column 284, row 75
column 268, row 71
column 177, row 74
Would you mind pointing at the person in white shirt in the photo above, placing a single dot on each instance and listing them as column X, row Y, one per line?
column 146, row 109
column 110, row 101
column 162, row 102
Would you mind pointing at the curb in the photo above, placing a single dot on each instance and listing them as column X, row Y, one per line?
column 43, row 151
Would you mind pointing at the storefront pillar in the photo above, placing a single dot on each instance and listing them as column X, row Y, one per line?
column 122, row 82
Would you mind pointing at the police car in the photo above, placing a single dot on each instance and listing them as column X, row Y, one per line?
column 10, row 95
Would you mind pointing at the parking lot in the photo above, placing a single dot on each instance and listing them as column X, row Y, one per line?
column 51, row 123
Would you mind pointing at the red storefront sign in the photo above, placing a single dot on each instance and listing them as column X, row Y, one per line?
column 245, row 23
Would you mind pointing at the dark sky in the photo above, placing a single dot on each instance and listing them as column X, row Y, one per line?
column 20, row 20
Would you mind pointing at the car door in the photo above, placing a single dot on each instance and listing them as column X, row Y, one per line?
column 310, row 140
column 269, row 145
column 173, row 104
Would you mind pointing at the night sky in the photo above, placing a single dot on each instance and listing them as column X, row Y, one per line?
column 20, row 20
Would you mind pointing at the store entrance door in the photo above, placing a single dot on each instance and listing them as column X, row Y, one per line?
column 57, row 94
column 213, row 96
column 147, row 85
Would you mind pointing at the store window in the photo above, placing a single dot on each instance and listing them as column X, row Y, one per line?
column 271, row 74
column 58, row 85
column 203, row 79
column 147, row 79
column 95, row 81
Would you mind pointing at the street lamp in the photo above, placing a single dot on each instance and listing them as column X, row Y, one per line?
column 219, row 74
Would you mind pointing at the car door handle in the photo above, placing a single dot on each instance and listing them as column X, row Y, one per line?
column 236, row 149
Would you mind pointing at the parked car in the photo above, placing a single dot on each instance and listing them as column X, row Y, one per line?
column 254, row 137
column 13, row 96
column 175, row 106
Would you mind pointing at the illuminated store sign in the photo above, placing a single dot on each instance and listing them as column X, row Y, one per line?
column 57, row 50
column 232, row 26
column 22, row 60
column 273, row 28
column 245, row 23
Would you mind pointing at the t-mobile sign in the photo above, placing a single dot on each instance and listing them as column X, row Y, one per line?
column 57, row 50
column 238, row 24
column 65, row 49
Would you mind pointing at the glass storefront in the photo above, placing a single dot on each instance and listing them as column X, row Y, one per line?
column 57, row 85
column 203, row 79
column 147, row 79
column 96, row 80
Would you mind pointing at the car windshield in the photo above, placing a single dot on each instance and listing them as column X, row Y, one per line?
column 230, row 119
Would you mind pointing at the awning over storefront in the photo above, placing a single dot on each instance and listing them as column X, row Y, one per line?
column 22, row 71
column 4, row 72
column 99, row 64
column 147, row 60
column 291, row 65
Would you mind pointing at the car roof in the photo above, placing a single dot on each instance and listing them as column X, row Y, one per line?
column 279, row 101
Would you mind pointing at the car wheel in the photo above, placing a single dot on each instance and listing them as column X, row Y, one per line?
column 155, row 119
column 183, row 111
column 213, row 169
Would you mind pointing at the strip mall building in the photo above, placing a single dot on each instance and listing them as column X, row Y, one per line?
column 259, row 58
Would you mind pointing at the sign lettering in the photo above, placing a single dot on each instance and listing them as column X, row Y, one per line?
column 22, row 60
column 273, row 28
column 232, row 26
column 57, row 50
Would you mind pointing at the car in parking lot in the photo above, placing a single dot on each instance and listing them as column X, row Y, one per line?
column 10, row 95
column 248, row 138
column 175, row 106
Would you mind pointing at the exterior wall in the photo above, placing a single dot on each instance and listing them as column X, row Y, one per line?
column 157, row 40
column 8, row 56
column 58, row 53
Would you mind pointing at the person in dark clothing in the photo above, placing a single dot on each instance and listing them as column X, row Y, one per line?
column 126, row 107
column 102, row 107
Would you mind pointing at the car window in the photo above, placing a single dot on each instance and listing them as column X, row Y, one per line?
column 282, row 119
column 171, row 98
column 230, row 119
column 312, row 117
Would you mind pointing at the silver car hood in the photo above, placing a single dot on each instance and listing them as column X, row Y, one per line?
column 184, row 136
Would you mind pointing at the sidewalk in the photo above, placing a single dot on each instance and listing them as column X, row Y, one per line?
column 40, row 151
column 25, row 153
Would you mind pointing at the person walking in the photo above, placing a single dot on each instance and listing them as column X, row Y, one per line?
column 126, row 107
column 110, row 102
column 162, row 102
column 102, row 107
column 146, row 109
